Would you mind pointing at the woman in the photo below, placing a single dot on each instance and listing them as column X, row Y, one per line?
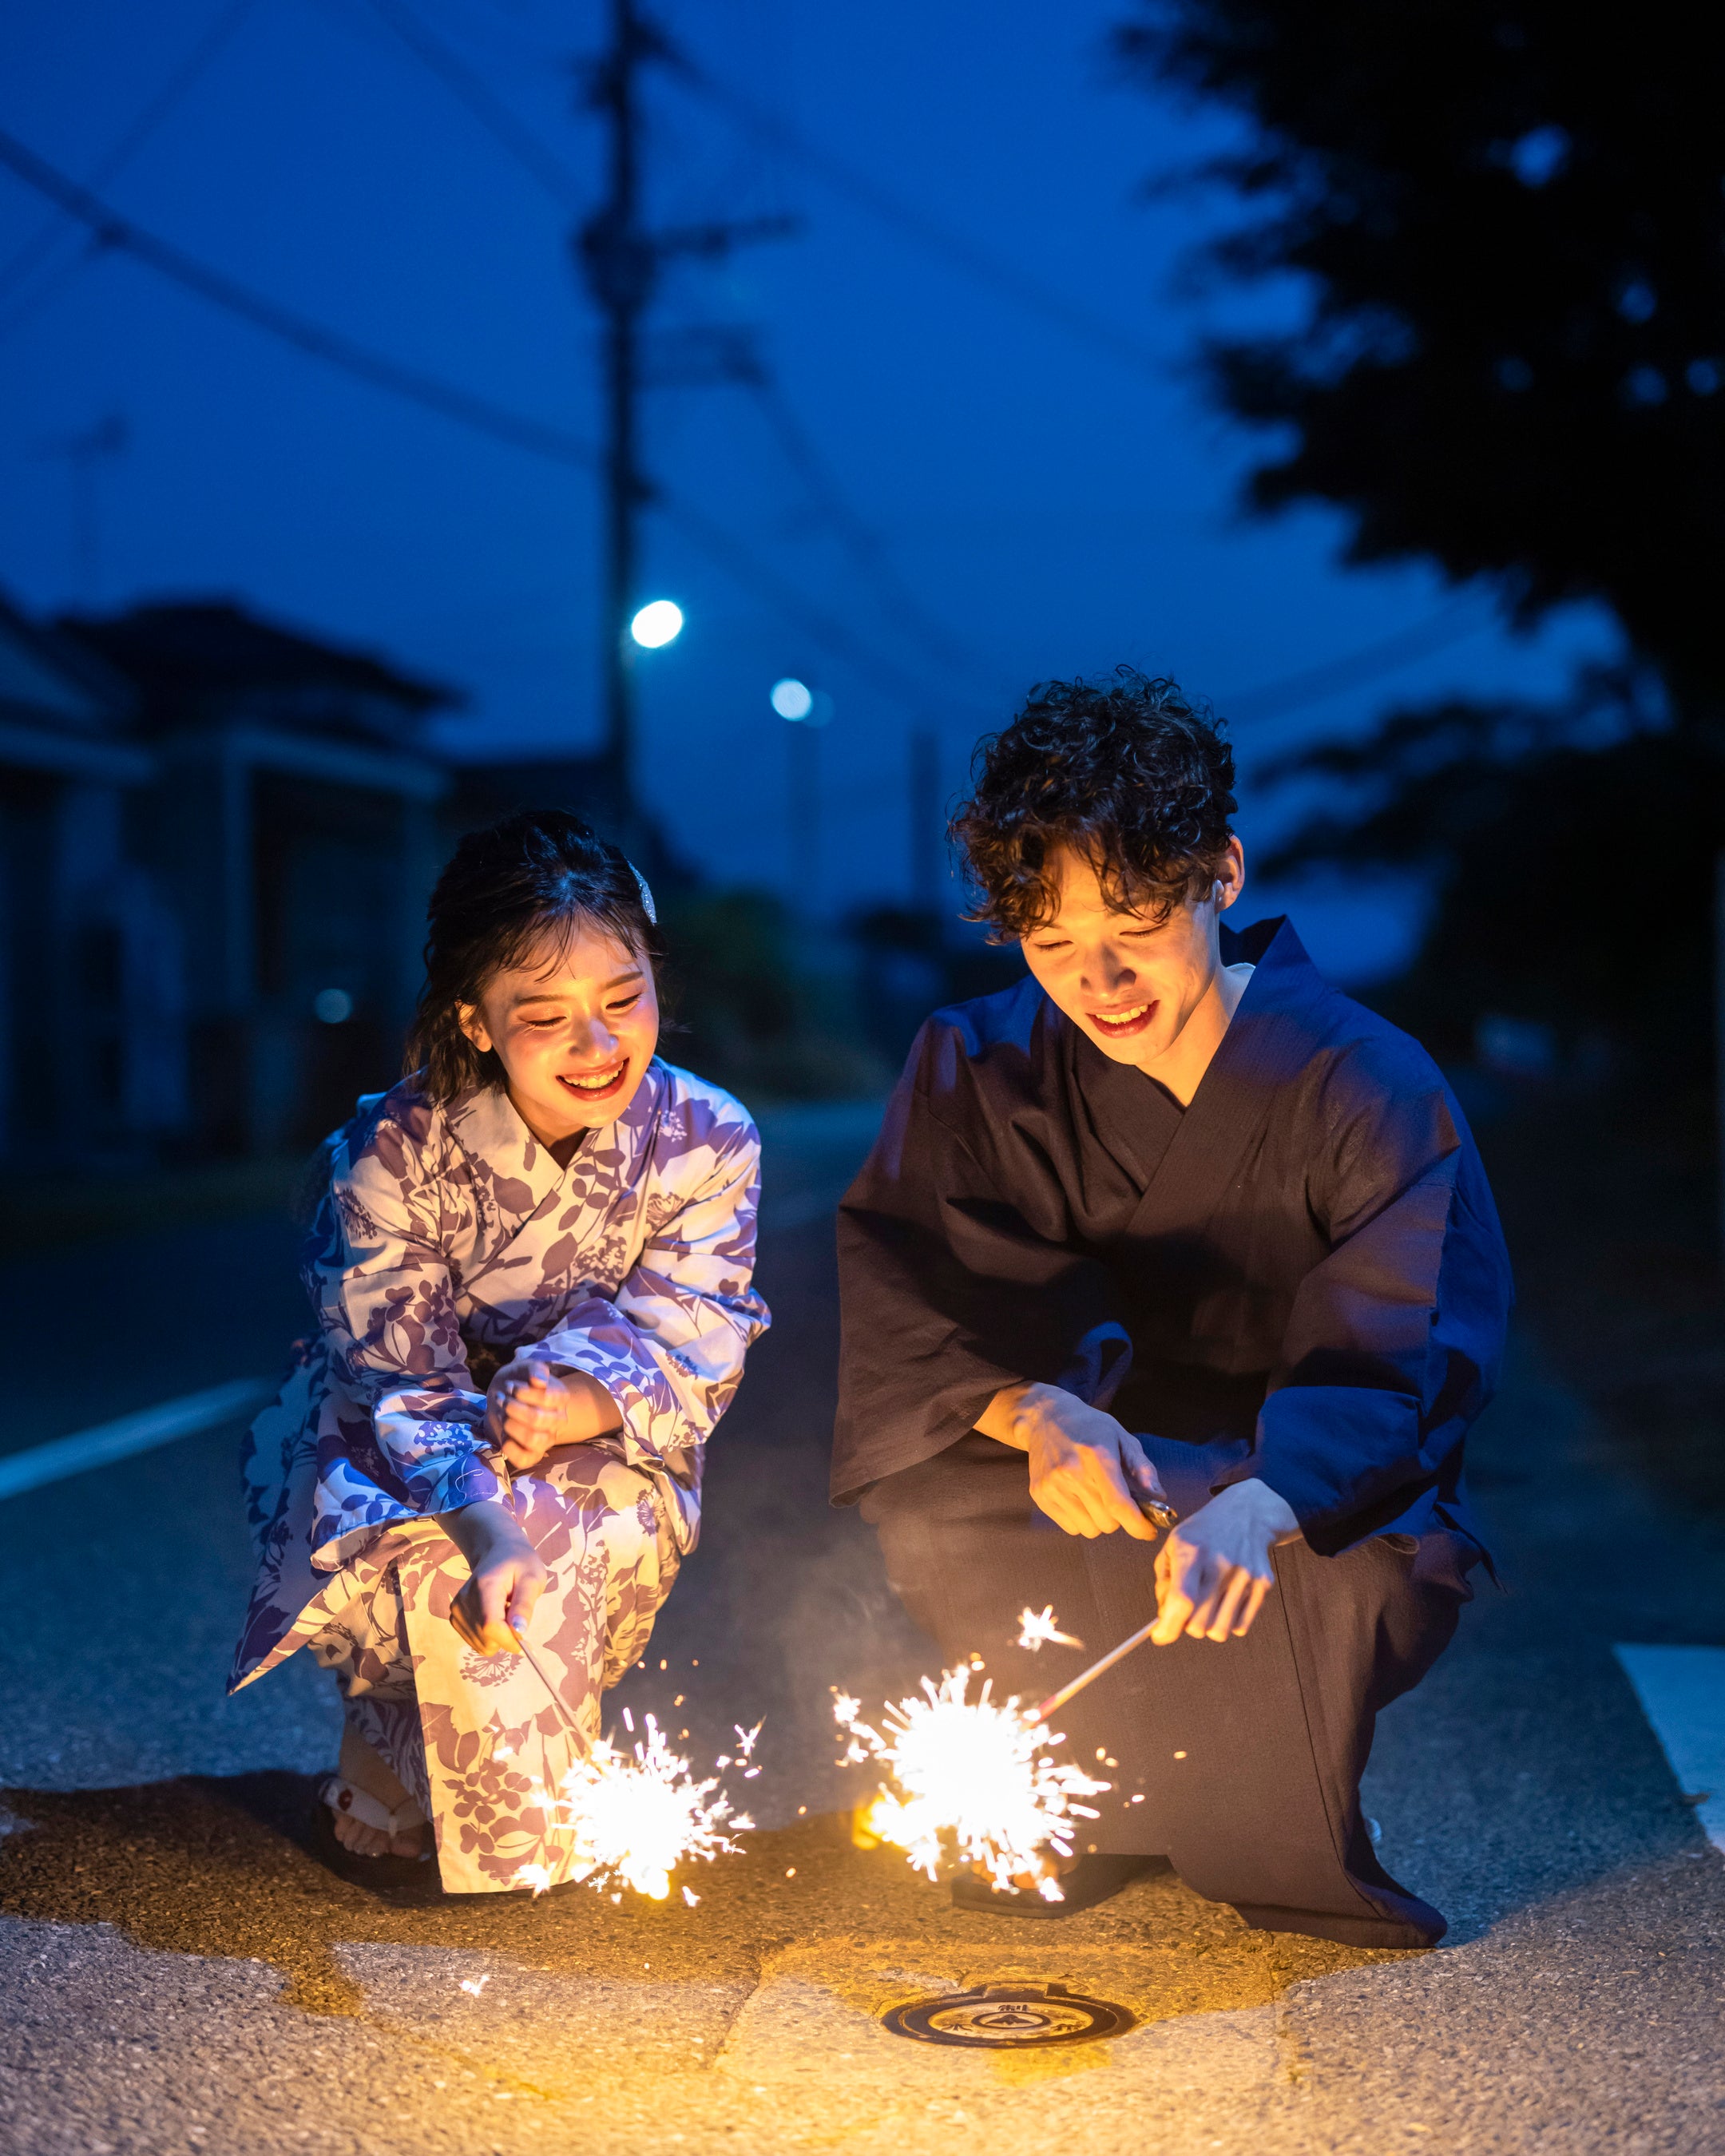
column 532, row 1278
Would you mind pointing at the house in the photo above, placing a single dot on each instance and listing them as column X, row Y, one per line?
column 288, row 816
column 219, row 834
column 93, row 1046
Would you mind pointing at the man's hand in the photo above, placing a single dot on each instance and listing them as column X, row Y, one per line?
column 492, row 1610
column 1085, row 1467
column 529, row 1411
column 1213, row 1570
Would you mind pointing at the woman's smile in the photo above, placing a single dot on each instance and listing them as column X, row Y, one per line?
column 595, row 1084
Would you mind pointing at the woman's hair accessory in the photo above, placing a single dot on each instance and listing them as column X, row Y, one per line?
column 650, row 909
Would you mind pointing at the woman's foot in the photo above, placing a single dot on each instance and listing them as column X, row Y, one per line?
column 396, row 1828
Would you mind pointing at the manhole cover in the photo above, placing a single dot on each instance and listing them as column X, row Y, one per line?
column 1009, row 2015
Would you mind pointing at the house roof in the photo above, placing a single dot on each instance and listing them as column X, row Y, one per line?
column 203, row 659
column 51, row 679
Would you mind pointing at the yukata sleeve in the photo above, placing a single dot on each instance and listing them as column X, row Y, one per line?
column 669, row 1345
column 1395, row 1338
column 388, row 1311
column 958, row 1277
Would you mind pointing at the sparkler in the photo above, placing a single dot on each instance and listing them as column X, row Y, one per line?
column 634, row 1816
column 972, row 1779
column 1036, row 1632
column 1057, row 1699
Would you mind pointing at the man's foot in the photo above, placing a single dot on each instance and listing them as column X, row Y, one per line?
column 373, row 1814
column 1084, row 1882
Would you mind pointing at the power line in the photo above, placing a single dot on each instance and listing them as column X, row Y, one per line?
column 864, row 545
column 114, row 231
column 154, row 114
column 1293, row 692
column 974, row 261
column 448, row 400
column 867, row 549
column 544, row 165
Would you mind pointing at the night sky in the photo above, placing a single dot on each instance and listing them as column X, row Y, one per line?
column 1049, row 494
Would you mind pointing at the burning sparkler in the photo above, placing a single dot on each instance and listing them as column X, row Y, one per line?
column 973, row 1779
column 1037, row 1633
column 635, row 1816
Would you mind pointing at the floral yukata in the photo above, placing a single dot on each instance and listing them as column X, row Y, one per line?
column 449, row 1243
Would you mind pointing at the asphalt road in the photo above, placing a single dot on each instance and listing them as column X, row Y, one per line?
column 185, row 1963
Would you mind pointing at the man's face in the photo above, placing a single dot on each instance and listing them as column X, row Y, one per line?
column 1127, row 980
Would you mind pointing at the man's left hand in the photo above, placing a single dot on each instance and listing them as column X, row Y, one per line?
column 1213, row 1570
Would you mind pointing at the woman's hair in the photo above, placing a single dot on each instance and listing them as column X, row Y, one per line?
column 1126, row 771
column 503, row 891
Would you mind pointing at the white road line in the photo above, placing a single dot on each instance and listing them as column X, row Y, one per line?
column 134, row 1433
column 1682, row 1694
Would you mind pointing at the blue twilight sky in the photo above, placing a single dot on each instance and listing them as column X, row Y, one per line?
column 1048, row 495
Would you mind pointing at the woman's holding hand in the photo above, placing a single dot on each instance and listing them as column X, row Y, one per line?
column 530, row 1410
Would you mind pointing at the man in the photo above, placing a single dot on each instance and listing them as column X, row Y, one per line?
column 1173, row 1219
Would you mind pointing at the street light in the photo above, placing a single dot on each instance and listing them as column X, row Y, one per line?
column 659, row 622
column 791, row 699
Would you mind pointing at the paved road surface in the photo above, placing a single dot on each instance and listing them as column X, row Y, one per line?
column 185, row 1964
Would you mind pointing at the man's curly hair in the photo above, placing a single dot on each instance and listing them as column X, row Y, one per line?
column 1127, row 771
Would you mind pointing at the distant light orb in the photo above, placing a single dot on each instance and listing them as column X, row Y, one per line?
column 332, row 1006
column 791, row 699
column 657, row 622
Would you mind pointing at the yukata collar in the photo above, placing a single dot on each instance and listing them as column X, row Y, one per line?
column 1277, row 1020
column 486, row 1122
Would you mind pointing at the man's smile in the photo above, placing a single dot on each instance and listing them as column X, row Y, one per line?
column 1121, row 1025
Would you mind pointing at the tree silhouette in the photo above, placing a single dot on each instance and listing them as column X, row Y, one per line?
column 1509, row 217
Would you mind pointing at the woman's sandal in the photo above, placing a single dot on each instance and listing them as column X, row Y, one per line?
column 352, row 1802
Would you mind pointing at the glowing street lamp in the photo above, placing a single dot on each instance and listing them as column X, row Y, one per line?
column 791, row 699
column 659, row 622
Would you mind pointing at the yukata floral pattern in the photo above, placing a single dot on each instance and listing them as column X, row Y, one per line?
column 450, row 1242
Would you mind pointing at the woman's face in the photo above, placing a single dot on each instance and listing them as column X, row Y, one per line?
column 574, row 1026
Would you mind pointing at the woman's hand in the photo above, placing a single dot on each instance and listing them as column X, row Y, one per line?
column 1087, row 1471
column 492, row 1610
column 529, row 1411
column 1213, row 1570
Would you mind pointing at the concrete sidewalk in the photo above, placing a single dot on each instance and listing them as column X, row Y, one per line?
column 185, row 1962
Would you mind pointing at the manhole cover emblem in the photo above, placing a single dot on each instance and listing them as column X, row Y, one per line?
column 1012, row 2014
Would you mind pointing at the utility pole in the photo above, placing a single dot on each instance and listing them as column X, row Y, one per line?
column 84, row 454
column 621, row 261
column 622, row 266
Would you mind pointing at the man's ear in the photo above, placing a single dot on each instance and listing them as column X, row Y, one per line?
column 1230, row 876
column 467, row 1017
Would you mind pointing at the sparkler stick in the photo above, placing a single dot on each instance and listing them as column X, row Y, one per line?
column 569, row 1721
column 1057, row 1699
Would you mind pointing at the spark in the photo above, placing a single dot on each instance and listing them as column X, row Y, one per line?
column 1036, row 1632
column 475, row 1984
column 972, row 1779
column 692, row 1898
column 634, row 1816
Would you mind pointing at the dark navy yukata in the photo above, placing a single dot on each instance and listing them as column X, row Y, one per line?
column 1299, row 1277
